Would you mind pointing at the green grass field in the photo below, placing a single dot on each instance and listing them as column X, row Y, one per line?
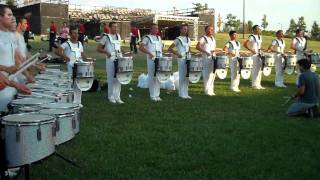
column 229, row 136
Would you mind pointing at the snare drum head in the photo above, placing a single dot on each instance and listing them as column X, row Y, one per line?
column 313, row 68
column 59, row 106
column 222, row 73
column 245, row 73
column 31, row 101
column 124, row 78
column 56, row 111
column 28, row 109
column 84, row 84
column 163, row 76
column 289, row 70
column 26, row 118
column 194, row 77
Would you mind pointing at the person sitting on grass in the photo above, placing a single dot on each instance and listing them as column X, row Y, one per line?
column 307, row 94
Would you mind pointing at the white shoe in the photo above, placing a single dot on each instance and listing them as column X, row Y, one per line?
column 212, row 94
column 154, row 99
column 113, row 101
column 281, row 86
column 261, row 87
column 158, row 99
column 188, row 97
column 80, row 105
column 235, row 90
column 119, row 101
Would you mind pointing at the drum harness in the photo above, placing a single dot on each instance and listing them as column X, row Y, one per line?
column 187, row 55
column 261, row 56
column 156, row 59
column 214, row 59
column 116, row 60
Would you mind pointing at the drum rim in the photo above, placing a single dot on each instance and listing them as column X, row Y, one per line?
column 49, row 120
column 67, row 113
column 47, row 106
column 14, row 102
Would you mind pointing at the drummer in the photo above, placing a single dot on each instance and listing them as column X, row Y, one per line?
column 110, row 45
column 232, row 48
column 254, row 45
column 72, row 51
column 299, row 45
column 152, row 46
column 207, row 46
column 182, row 44
column 8, row 63
column 277, row 46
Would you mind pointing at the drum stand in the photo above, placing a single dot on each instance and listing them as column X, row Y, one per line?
column 66, row 159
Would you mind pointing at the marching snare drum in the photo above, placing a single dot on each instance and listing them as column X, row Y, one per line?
column 84, row 75
column 70, row 106
column 125, row 69
column 222, row 66
column 268, row 63
column 65, row 123
column 290, row 64
column 164, row 68
column 247, row 64
column 195, row 69
column 28, row 138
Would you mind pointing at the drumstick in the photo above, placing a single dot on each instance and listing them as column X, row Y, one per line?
column 45, row 95
column 27, row 61
column 286, row 102
column 30, row 62
column 48, row 57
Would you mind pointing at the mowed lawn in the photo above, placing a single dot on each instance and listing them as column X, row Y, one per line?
column 229, row 136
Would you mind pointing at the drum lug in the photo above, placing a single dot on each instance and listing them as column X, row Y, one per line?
column 74, row 123
column 39, row 133
column 18, row 133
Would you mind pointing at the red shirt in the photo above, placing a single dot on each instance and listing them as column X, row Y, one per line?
column 134, row 31
column 53, row 28
column 82, row 29
column 106, row 29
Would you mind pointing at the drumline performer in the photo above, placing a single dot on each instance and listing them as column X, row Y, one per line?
column 254, row 44
column 152, row 46
column 277, row 46
column 110, row 45
column 233, row 49
column 299, row 45
column 182, row 44
column 207, row 47
column 72, row 51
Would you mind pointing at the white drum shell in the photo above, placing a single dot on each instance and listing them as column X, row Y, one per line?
column 28, row 149
column 65, row 123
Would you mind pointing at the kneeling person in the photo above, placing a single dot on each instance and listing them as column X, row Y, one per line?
column 308, row 92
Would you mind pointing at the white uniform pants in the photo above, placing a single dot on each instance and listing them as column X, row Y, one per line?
column 208, row 76
column 153, row 82
column 256, row 71
column 235, row 75
column 279, row 70
column 183, row 80
column 114, row 86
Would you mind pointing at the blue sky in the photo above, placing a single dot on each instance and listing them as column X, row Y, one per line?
column 279, row 12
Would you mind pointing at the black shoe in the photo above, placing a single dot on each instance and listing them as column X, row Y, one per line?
column 312, row 112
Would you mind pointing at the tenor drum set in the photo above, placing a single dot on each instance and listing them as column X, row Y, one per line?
column 39, row 122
